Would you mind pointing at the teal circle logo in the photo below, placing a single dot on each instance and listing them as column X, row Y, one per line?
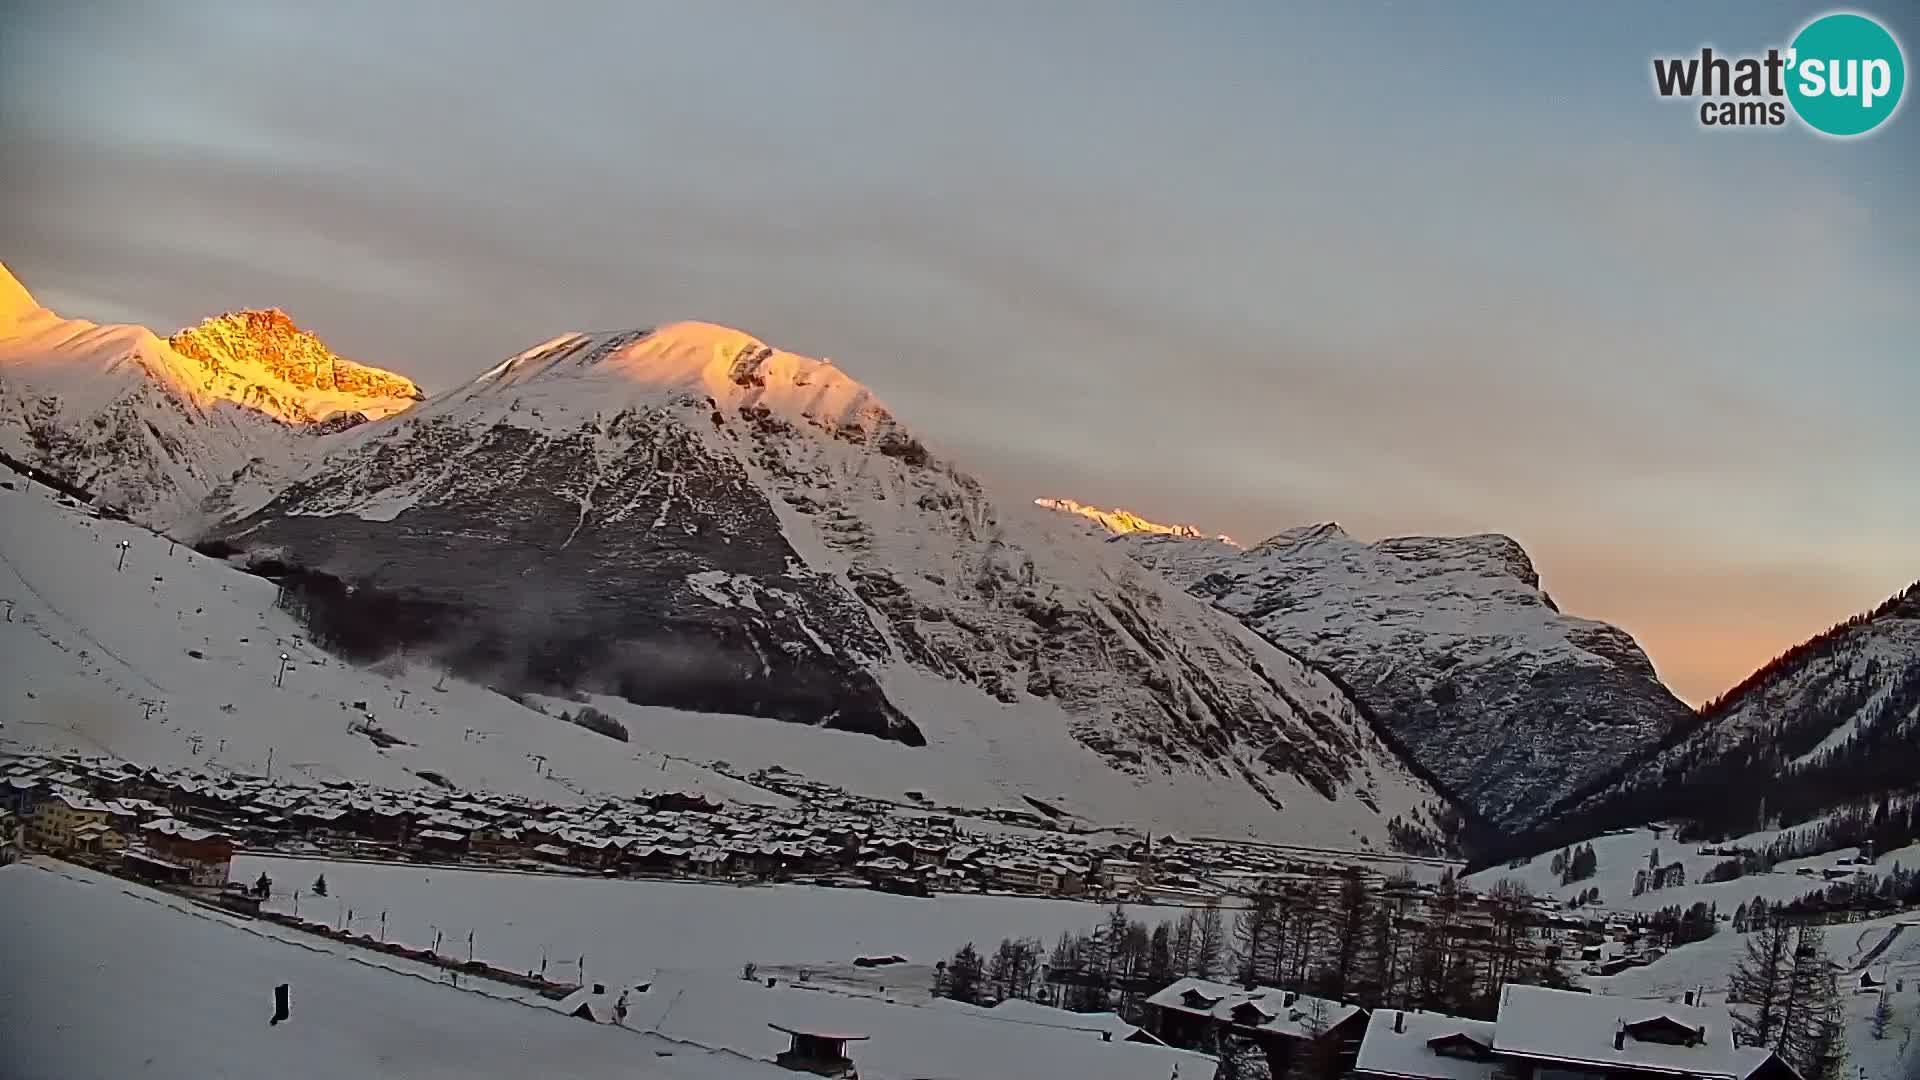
column 1845, row 74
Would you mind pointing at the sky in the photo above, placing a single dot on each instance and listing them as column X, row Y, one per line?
column 1410, row 268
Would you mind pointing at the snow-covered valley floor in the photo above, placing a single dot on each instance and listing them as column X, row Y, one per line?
column 628, row 929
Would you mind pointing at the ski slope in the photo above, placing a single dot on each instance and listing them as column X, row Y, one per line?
column 104, row 660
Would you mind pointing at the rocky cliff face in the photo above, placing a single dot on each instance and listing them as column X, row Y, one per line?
column 1450, row 642
column 688, row 517
column 256, row 357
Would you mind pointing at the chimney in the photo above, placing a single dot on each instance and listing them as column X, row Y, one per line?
column 1286, row 1000
column 1399, row 1022
column 1689, row 997
column 599, row 988
column 1620, row 1036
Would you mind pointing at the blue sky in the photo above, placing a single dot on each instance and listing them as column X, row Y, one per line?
column 1407, row 267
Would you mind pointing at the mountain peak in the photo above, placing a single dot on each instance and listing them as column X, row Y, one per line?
column 1123, row 522
column 259, row 347
column 15, row 301
column 716, row 369
column 1304, row 534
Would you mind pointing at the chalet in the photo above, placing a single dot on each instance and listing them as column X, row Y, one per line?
column 1541, row 1032
column 1195, row 1012
column 390, row 824
column 18, row 794
column 58, row 818
column 1062, row 879
column 1018, row 875
column 1401, row 1045
column 440, row 842
column 104, row 839
column 1122, row 877
column 499, row 838
column 590, row 852
column 317, row 823
column 146, row 866
column 821, row 1053
column 207, row 854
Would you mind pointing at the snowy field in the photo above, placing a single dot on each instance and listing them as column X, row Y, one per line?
column 108, row 980
column 629, row 929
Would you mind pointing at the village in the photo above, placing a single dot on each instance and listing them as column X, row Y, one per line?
column 100, row 808
column 1205, row 983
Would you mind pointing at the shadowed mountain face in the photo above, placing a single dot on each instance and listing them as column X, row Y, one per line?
column 1511, row 705
column 686, row 517
column 657, row 573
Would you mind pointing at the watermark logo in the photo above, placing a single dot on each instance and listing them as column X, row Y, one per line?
column 1842, row 75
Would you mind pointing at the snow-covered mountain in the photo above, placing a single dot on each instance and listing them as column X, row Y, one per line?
column 1450, row 642
column 153, row 427
column 262, row 360
column 686, row 517
column 1832, row 722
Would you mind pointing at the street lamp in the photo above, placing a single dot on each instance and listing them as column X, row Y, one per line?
column 280, row 676
column 122, row 545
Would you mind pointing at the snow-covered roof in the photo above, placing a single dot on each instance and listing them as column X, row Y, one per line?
column 905, row 1041
column 1572, row 1027
column 1410, row 1051
column 175, row 827
column 1019, row 1010
column 1281, row 1012
column 81, row 802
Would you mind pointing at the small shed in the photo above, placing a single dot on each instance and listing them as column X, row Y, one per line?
column 822, row 1053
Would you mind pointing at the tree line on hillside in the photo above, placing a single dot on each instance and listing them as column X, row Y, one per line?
column 1380, row 945
column 1867, row 897
column 1815, row 647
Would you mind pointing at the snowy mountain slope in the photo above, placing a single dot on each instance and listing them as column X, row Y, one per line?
column 84, row 647
column 1832, row 722
column 1450, row 641
column 687, row 517
column 147, row 428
